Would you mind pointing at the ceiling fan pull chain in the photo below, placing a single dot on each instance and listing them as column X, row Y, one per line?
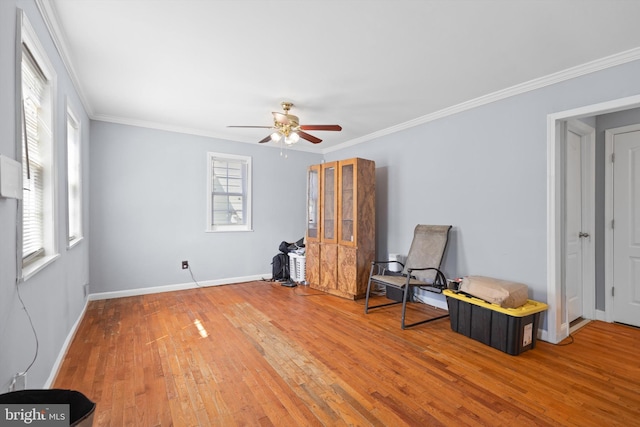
column 283, row 151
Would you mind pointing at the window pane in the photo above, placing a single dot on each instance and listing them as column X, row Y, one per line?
column 228, row 210
column 33, row 83
column 73, row 179
column 229, row 186
column 36, row 109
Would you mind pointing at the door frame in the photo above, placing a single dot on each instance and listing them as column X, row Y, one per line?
column 588, row 183
column 557, row 329
column 609, row 135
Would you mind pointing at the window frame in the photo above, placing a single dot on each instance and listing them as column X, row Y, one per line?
column 30, row 265
column 247, row 193
column 74, row 176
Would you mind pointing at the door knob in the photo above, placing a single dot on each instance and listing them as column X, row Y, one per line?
column 581, row 234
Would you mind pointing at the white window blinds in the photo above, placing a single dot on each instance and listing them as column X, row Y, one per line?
column 73, row 179
column 229, row 192
column 33, row 84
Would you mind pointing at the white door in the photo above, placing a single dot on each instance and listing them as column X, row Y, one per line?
column 577, row 228
column 626, row 228
column 573, row 227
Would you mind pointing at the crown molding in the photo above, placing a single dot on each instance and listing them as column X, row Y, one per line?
column 50, row 17
column 193, row 131
column 561, row 76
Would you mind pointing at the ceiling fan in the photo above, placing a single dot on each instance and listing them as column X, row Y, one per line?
column 287, row 128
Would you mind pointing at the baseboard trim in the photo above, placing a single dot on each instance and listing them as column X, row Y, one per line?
column 65, row 347
column 602, row 315
column 543, row 335
column 176, row 287
column 134, row 292
column 433, row 299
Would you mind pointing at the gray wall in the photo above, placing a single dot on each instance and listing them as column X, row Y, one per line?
column 148, row 212
column 485, row 172
column 54, row 297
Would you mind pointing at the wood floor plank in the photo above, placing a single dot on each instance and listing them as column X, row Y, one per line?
column 261, row 354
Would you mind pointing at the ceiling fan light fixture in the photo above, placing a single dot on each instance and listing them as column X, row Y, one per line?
column 292, row 138
column 287, row 129
column 275, row 137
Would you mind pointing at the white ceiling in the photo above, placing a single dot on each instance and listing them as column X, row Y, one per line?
column 371, row 66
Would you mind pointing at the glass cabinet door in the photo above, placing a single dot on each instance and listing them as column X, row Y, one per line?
column 347, row 203
column 313, row 205
column 329, row 202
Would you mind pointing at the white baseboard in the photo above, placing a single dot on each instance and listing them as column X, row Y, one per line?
column 176, row 287
column 543, row 335
column 134, row 292
column 562, row 334
column 433, row 299
column 601, row 315
column 65, row 347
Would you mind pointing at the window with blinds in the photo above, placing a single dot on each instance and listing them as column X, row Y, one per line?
column 74, row 201
column 34, row 84
column 229, row 192
column 35, row 106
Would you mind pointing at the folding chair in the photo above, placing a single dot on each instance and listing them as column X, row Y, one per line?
column 421, row 269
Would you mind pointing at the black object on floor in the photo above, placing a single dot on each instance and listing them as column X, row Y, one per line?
column 81, row 408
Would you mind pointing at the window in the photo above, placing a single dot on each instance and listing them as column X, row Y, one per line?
column 74, row 218
column 36, row 146
column 228, row 192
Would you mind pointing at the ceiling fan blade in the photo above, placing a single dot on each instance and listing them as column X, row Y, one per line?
column 265, row 139
column 308, row 137
column 261, row 127
column 320, row 127
column 281, row 118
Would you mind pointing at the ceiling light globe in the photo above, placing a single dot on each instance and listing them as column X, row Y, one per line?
column 275, row 137
column 292, row 139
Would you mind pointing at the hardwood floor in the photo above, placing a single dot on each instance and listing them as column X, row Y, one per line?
column 260, row 354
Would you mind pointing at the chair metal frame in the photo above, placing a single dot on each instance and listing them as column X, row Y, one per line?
column 406, row 282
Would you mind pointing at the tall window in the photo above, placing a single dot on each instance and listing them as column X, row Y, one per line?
column 74, row 229
column 36, row 105
column 229, row 192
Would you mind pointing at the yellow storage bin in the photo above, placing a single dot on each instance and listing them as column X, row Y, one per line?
column 511, row 330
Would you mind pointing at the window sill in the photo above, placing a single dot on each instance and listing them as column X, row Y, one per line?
column 33, row 268
column 74, row 243
column 229, row 230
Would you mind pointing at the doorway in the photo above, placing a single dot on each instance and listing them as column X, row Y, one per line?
column 557, row 124
column 579, row 220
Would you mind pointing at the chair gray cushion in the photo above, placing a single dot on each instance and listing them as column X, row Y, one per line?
column 397, row 281
column 427, row 249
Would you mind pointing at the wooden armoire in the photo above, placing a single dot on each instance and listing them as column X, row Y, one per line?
column 340, row 238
